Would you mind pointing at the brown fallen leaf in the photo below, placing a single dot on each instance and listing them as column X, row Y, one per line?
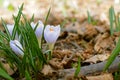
column 47, row 70
column 102, row 28
column 107, row 76
column 96, row 58
column 56, row 63
column 103, row 43
column 61, row 53
column 90, row 32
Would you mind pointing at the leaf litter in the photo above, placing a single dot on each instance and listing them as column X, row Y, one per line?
column 91, row 42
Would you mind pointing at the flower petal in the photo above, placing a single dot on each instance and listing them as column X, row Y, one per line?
column 16, row 47
column 39, row 29
column 10, row 28
column 51, row 33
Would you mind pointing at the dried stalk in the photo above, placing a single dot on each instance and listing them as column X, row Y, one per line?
column 91, row 69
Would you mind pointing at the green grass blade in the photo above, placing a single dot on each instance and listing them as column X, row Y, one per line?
column 5, row 75
column 27, row 76
column 112, row 57
column 78, row 68
column 17, row 19
column 89, row 17
column 3, row 35
column 118, row 22
column 47, row 16
column 6, row 29
column 111, row 18
column 26, row 35
column 36, row 27
column 1, row 66
column 45, row 25
column 32, row 19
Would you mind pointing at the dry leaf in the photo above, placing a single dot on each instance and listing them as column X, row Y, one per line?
column 103, row 42
column 54, row 62
column 96, row 58
column 101, row 77
column 47, row 70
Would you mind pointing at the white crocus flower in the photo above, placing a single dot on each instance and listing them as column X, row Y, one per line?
column 51, row 34
column 38, row 31
column 16, row 47
column 10, row 28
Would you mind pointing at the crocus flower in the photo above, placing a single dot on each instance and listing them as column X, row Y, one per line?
column 51, row 34
column 16, row 47
column 38, row 31
column 10, row 28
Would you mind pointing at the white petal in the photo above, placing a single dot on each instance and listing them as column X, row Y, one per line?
column 47, row 28
column 51, row 36
column 32, row 25
column 10, row 28
column 57, row 29
column 16, row 47
column 39, row 29
column 18, row 44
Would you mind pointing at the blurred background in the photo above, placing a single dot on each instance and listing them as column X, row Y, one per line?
column 61, row 9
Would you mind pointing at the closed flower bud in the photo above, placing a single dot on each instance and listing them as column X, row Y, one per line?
column 10, row 28
column 38, row 31
column 16, row 47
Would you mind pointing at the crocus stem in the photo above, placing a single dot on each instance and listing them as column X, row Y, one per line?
column 39, row 41
column 51, row 46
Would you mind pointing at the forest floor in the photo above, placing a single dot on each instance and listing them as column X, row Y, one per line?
column 91, row 42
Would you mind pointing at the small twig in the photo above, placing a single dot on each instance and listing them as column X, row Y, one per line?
column 91, row 69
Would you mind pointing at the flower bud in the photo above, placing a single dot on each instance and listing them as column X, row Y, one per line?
column 38, row 31
column 16, row 47
column 10, row 28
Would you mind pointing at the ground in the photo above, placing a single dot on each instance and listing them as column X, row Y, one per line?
column 91, row 42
